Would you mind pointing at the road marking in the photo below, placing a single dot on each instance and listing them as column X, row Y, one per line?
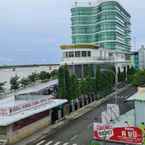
column 66, row 143
column 74, row 144
column 74, row 137
column 41, row 142
column 50, row 142
column 57, row 143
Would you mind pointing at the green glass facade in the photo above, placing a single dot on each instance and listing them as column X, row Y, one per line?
column 107, row 24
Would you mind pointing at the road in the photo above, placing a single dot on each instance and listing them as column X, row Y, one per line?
column 79, row 131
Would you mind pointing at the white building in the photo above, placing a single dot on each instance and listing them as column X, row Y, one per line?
column 77, row 57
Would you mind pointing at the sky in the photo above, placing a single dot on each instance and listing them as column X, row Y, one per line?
column 31, row 31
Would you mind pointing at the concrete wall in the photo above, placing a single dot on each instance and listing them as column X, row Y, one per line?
column 15, row 136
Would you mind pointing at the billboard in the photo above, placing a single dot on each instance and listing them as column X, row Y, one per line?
column 128, row 135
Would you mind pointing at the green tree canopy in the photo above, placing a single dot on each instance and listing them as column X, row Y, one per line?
column 98, row 80
column 64, row 82
column 74, row 88
column 14, row 82
column 2, row 86
column 54, row 74
column 43, row 75
column 130, row 74
column 139, row 78
column 61, row 83
column 24, row 82
column 33, row 77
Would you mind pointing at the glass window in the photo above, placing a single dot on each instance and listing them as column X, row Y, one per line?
column 84, row 54
column 67, row 54
column 71, row 54
column 77, row 54
column 89, row 53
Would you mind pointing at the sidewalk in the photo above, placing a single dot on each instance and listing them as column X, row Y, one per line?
column 52, row 128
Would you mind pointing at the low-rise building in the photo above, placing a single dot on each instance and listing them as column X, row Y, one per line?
column 21, row 116
column 79, row 56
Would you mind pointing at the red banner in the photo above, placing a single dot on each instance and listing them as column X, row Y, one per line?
column 128, row 135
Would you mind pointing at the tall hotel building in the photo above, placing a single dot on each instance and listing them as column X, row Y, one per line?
column 100, row 35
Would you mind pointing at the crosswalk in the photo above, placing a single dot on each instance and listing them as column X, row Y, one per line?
column 51, row 142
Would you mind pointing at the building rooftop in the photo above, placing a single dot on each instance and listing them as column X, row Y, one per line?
column 139, row 96
column 12, row 110
column 37, row 88
column 88, row 3
column 75, row 46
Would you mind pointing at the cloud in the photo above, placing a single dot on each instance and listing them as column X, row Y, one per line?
column 34, row 29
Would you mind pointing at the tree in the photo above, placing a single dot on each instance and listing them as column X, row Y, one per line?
column 74, row 88
column 54, row 74
column 44, row 76
column 88, row 71
column 33, row 77
column 61, row 83
column 64, row 82
column 98, row 81
column 2, row 86
column 139, row 78
column 14, row 82
column 88, row 83
column 24, row 82
column 83, row 87
column 131, row 71
column 108, row 82
column 104, row 81
column 67, row 82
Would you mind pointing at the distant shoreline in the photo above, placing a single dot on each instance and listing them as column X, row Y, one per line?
column 27, row 65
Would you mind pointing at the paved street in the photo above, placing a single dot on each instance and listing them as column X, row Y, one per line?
column 79, row 131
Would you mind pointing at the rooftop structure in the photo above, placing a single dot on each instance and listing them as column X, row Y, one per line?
column 12, row 110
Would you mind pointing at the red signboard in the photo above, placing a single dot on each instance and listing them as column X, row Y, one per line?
column 128, row 135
